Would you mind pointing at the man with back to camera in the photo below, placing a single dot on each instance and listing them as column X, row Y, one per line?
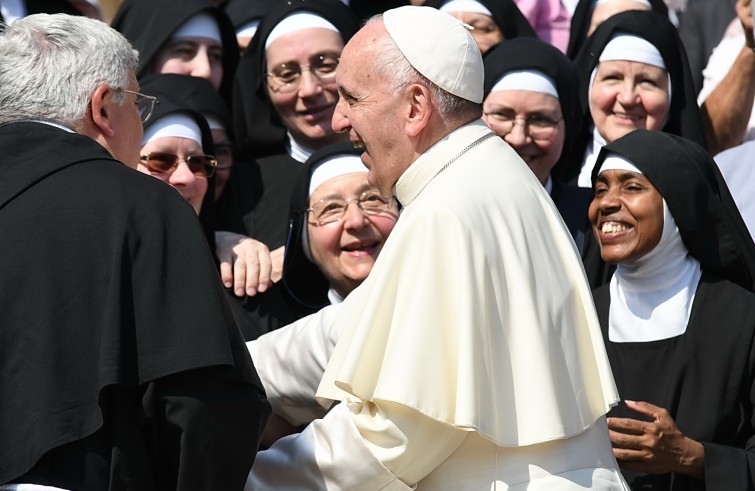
column 471, row 357
column 120, row 364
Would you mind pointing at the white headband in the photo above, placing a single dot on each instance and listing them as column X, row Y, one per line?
column 531, row 80
column 248, row 29
column 626, row 47
column 296, row 22
column 646, row 3
column 202, row 25
column 465, row 6
column 617, row 162
column 175, row 125
column 336, row 166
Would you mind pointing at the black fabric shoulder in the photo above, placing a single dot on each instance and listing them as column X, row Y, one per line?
column 259, row 130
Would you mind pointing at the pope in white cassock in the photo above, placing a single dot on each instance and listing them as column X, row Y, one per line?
column 471, row 357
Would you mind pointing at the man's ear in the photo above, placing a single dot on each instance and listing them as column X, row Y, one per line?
column 420, row 109
column 102, row 106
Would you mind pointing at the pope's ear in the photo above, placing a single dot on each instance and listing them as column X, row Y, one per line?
column 420, row 109
column 102, row 107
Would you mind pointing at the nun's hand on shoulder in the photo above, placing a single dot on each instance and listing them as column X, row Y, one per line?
column 656, row 446
column 245, row 264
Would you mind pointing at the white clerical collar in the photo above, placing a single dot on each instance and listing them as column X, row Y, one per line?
column 549, row 185
column 48, row 123
column 591, row 156
column 298, row 152
column 429, row 164
column 334, row 297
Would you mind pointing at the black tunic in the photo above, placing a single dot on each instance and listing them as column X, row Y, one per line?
column 120, row 364
column 705, row 378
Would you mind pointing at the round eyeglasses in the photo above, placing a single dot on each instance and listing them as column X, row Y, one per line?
column 538, row 127
column 287, row 77
column 167, row 163
column 145, row 104
column 328, row 211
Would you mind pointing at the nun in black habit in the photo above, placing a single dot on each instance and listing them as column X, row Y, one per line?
column 279, row 143
column 150, row 25
column 246, row 16
column 529, row 64
column 582, row 20
column 639, row 38
column 509, row 21
column 678, row 316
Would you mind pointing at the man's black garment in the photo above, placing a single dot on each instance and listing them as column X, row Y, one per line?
column 120, row 364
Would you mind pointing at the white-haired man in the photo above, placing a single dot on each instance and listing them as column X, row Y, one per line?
column 471, row 357
column 120, row 364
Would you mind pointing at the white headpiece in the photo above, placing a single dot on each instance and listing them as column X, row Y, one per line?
column 177, row 125
column 627, row 47
column 296, row 22
column 202, row 25
column 248, row 29
column 646, row 3
column 335, row 166
column 439, row 47
column 465, row 6
column 532, row 80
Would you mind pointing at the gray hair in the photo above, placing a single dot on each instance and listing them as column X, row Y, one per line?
column 51, row 64
column 391, row 64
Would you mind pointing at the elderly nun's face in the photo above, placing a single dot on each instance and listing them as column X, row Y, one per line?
column 308, row 60
column 192, row 186
column 629, row 95
column 532, row 123
column 346, row 249
column 626, row 215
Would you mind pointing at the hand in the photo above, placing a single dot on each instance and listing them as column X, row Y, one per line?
column 655, row 447
column 744, row 13
column 245, row 263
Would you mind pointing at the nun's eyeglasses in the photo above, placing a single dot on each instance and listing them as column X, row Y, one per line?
column 145, row 104
column 328, row 211
column 537, row 126
column 286, row 77
column 167, row 163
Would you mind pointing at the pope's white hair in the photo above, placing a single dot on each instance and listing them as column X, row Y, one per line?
column 51, row 64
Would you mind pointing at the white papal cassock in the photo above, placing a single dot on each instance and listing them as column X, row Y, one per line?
column 471, row 358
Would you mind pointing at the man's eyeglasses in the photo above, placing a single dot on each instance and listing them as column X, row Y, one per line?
column 538, row 127
column 145, row 104
column 286, row 77
column 328, row 211
column 167, row 163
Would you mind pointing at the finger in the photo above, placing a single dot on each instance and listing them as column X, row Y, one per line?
column 240, row 277
column 226, row 273
column 649, row 410
column 625, row 441
column 626, row 425
column 624, row 456
column 265, row 268
column 252, row 272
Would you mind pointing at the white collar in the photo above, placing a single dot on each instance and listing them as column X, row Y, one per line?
column 298, row 152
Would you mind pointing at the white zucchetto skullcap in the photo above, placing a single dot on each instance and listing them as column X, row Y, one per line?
column 627, row 47
column 439, row 47
column 335, row 166
column 465, row 6
column 296, row 22
column 531, row 80
column 616, row 162
column 248, row 30
column 201, row 25
column 645, row 3
column 175, row 125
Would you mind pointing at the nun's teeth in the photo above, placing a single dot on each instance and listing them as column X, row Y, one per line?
column 612, row 228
